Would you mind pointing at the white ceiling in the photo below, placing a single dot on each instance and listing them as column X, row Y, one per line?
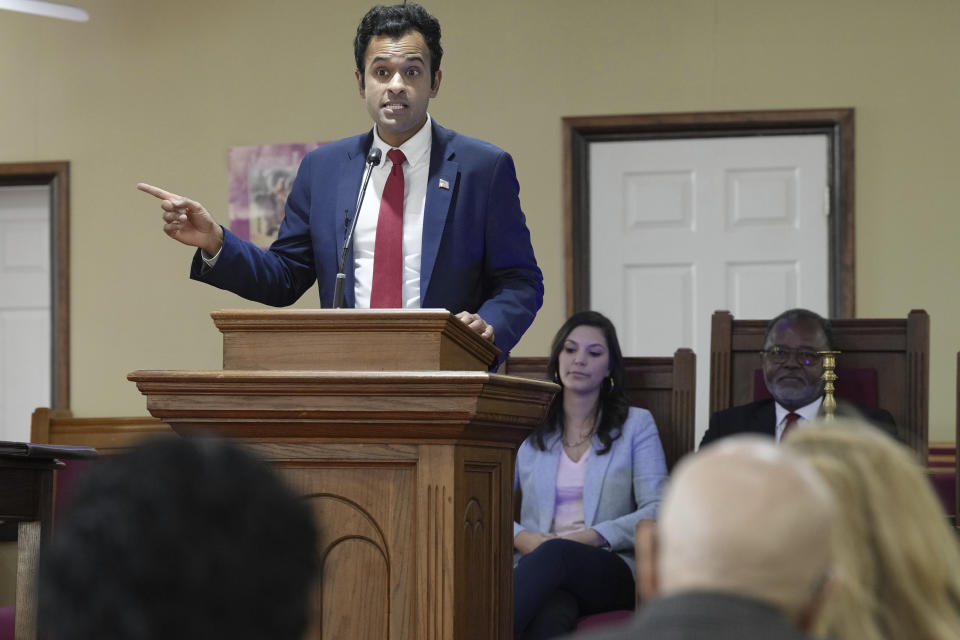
column 48, row 9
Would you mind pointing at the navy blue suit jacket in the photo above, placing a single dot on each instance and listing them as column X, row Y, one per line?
column 476, row 253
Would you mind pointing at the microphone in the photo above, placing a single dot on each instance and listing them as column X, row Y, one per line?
column 373, row 159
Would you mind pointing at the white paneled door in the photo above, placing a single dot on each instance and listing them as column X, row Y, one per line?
column 680, row 228
column 25, row 313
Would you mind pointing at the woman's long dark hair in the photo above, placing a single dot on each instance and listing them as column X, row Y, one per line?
column 613, row 404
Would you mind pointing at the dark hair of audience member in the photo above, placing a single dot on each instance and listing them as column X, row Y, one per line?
column 396, row 21
column 613, row 403
column 180, row 538
column 792, row 315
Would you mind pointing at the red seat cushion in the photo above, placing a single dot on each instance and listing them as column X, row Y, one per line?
column 607, row 619
column 945, row 486
column 66, row 480
column 7, row 622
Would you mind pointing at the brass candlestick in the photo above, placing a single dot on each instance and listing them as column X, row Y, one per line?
column 829, row 377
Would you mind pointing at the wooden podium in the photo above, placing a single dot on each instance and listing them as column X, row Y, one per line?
column 390, row 425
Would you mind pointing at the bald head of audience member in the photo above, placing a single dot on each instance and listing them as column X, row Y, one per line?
column 747, row 518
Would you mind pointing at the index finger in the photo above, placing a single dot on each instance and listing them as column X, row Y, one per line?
column 157, row 192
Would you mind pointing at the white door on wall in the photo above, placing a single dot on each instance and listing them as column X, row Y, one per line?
column 681, row 228
column 25, row 314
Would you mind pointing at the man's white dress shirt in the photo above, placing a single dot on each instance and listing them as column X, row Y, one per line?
column 416, row 171
column 807, row 414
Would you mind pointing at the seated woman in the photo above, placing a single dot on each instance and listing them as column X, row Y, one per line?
column 896, row 559
column 586, row 475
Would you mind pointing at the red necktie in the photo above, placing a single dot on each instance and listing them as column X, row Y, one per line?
column 387, row 288
column 789, row 423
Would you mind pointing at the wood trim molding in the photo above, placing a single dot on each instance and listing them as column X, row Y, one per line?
column 683, row 400
column 56, row 175
column 836, row 124
column 918, row 380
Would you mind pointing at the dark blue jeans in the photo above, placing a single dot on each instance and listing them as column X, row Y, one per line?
column 560, row 581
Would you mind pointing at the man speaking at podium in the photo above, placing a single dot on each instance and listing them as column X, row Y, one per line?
column 440, row 225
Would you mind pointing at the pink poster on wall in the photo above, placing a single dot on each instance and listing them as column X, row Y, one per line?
column 260, row 179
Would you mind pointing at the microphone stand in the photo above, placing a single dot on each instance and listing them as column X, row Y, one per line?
column 373, row 159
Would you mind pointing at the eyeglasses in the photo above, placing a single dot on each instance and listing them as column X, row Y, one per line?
column 779, row 355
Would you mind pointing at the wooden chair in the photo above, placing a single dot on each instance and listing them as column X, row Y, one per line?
column 107, row 435
column 942, row 471
column 885, row 361
column 666, row 387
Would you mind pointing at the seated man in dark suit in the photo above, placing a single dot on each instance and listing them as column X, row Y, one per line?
column 741, row 549
column 792, row 371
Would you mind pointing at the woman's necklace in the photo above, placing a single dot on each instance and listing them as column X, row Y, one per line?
column 584, row 438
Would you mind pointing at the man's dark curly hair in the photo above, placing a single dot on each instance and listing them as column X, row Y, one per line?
column 187, row 538
column 803, row 315
column 397, row 21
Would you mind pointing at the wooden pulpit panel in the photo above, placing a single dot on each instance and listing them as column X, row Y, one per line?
column 107, row 435
column 413, row 538
column 350, row 340
column 410, row 475
column 365, row 515
column 484, row 550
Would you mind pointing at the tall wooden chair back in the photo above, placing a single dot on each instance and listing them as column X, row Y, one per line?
column 883, row 362
column 666, row 387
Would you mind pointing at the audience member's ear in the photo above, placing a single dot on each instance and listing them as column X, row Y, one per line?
column 648, row 580
column 810, row 614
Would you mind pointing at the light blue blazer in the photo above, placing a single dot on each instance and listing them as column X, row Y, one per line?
column 621, row 486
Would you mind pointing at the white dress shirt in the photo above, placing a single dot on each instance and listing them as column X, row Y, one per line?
column 807, row 413
column 416, row 172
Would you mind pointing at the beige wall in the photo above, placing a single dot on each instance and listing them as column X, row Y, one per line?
column 157, row 91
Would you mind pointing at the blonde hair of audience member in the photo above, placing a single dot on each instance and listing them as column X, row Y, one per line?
column 897, row 560
column 747, row 518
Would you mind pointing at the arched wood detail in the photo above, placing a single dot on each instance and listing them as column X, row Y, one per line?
column 473, row 516
column 351, row 542
column 342, row 610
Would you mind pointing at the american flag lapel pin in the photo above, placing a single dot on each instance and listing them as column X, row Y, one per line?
column 444, row 184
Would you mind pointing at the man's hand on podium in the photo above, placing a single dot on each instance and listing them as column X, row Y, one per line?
column 476, row 324
column 187, row 221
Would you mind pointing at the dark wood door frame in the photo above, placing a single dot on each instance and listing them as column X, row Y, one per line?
column 836, row 124
column 55, row 175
